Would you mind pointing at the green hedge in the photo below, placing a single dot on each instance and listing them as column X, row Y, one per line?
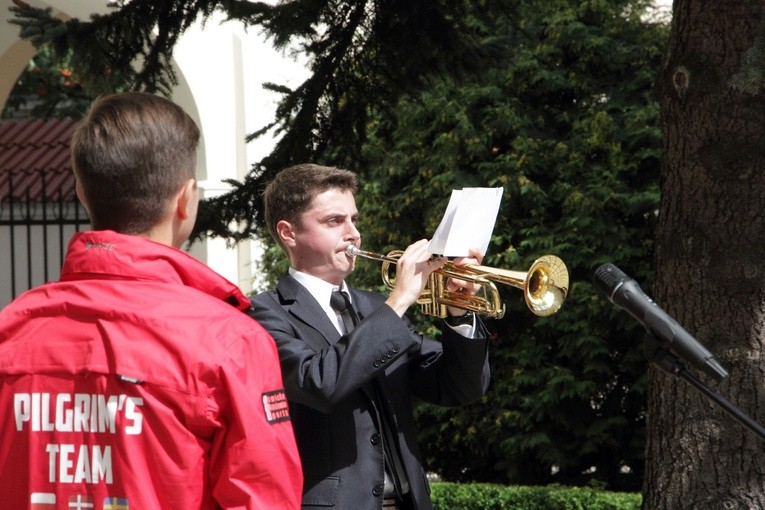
column 478, row 496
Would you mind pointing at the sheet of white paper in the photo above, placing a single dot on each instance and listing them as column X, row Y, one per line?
column 467, row 223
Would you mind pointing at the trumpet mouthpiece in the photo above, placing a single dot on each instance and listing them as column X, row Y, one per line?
column 352, row 250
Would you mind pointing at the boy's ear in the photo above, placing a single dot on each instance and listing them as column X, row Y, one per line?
column 185, row 202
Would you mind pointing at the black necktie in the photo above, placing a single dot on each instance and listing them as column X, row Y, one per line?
column 342, row 303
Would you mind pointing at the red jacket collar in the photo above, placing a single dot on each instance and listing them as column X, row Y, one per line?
column 108, row 254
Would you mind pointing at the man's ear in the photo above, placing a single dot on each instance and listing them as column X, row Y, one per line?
column 186, row 199
column 286, row 233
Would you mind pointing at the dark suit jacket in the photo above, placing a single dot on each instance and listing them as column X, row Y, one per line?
column 328, row 379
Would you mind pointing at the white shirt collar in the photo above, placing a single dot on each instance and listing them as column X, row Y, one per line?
column 321, row 291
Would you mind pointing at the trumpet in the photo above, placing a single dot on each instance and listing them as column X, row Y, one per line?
column 544, row 285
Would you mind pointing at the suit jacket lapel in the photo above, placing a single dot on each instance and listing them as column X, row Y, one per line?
column 304, row 307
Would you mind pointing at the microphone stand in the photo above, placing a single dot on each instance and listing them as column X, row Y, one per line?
column 671, row 364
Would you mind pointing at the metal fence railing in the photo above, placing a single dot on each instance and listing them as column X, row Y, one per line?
column 35, row 228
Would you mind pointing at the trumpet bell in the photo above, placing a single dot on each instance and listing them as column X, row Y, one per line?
column 546, row 285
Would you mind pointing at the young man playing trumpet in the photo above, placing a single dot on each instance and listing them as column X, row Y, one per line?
column 351, row 375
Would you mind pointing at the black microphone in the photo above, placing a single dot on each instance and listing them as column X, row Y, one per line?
column 624, row 292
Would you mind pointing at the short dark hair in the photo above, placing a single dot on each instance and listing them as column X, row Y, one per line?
column 131, row 153
column 293, row 189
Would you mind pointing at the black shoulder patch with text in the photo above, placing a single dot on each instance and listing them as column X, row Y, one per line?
column 276, row 407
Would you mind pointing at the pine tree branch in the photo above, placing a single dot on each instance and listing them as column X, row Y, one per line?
column 363, row 56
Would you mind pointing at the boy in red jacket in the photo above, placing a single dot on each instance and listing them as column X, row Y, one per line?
column 135, row 381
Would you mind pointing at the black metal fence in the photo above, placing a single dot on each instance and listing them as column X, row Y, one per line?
column 35, row 228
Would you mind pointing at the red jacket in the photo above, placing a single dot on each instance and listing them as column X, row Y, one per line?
column 133, row 383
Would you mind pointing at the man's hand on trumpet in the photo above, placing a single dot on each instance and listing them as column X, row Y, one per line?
column 412, row 271
column 462, row 286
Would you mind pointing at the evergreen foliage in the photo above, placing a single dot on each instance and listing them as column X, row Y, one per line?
column 47, row 88
column 567, row 125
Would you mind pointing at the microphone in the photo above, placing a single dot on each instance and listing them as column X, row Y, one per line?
column 624, row 292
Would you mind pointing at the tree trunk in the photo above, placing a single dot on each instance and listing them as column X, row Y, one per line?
column 710, row 256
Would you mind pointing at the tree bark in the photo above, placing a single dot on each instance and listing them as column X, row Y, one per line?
column 710, row 256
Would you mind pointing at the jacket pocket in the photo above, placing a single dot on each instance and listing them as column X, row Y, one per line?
column 320, row 491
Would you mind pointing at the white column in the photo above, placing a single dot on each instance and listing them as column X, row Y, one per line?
column 209, row 62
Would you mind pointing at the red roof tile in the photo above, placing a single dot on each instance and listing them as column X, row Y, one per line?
column 34, row 160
